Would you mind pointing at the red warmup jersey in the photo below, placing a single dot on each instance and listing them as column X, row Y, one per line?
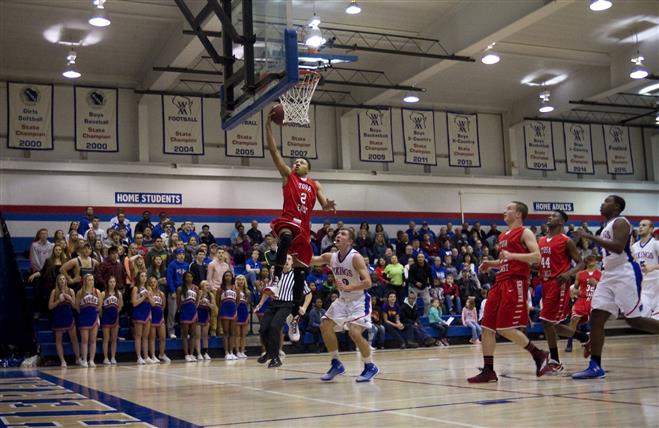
column 554, row 257
column 299, row 199
column 511, row 241
column 586, row 290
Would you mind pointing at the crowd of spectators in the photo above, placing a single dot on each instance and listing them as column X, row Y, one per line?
column 420, row 271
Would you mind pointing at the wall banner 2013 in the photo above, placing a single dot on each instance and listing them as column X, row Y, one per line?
column 463, row 145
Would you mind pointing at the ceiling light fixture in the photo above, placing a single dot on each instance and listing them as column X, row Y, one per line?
column 490, row 57
column 649, row 89
column 353, row 8
column 411, row 98
column 600, row 5
column 639, row 71
column 100, row 17
column 545, row 105
column 314, row 21
column 314, row 38
column 71, row 71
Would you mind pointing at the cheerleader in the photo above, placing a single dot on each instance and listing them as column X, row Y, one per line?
column 61, row 303
column 186, row 302
column 89, row 304
column 242, row 319
column 141, row 299
column 206, row 301
column 228, row 313
column 112, row 304
column 158, row 327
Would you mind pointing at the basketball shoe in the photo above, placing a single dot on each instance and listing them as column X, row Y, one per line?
column 335, row 370
column 369, row 372
column 485, row 376
column 594, row 371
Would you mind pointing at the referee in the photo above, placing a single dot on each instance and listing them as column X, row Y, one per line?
column 282, row 305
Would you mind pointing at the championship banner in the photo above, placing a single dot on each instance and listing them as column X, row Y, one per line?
column 419, row 136
column 246, row 139
column 374, row 133
column 618, row 150
column 463, row 146
column 30, row 116
column 183, row 125
column 96, row 116
column 539, row 145
column 578, row 148
column 299, row 140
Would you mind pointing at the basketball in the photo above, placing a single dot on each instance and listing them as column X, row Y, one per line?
column 277, row 114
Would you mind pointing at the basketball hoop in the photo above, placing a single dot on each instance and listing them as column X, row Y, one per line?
column 297, row 100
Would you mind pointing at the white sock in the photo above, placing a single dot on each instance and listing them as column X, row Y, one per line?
column 334, row 354
column 367, row 360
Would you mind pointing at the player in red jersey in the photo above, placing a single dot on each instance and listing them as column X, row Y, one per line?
column 557, row 252
column 506, row 310
column 293, row 228
column 585, row 287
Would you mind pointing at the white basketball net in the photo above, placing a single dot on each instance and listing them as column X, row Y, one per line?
column 296, row 101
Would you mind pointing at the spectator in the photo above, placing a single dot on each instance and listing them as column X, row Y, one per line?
column 40, row 250
column 407, row 258
column 253, row 266
column 235, row 232
column 254, row 233
column 380, row 246
column 157, row 250
column 121, row 220
column 329, row 288
column 328, row 241
column 73, row 243
column 435, row 321
column 168, row 231
column 86, row 220
column 470, row 319
column 493, row 232
column 144, row 223
column 99, row 252
column 363, row 243
column 391, row 318
column 322, row 232
column 206, row 237
column 175, row 271
column 429, row 246
column 187, row 232
column 480, row 233
column 411, row 231
column 317, row 277
column 467, row 285
column 111, row 266
column 380, row 229
column 416, row 249
column 450, row 233
column 420, row 279
column 376, row 333
column 409, row 316
column 157, row 271
column 95, row 226
column 191, row 248
column 402, row 241
column 437, row 289
column 316, row 314
column 172, row 242
column 395, row 273
column 139, row 245
column 159, row 228
column 198, row 268
column 449, row 267
column 446, row 249
column 147, row 239
column 438, row 270
column 270, row 254
column 124, row 239
column 452, row 296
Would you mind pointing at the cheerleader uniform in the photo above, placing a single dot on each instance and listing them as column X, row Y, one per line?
column 228, row 307
column 142, row 312
column 110, row 315
column 243, row 310
column 157, row 318
column 88, row 317
column 63, row 316
column 204, row 311
column 189, row 307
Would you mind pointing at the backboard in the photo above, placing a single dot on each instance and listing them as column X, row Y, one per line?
column 274, row 65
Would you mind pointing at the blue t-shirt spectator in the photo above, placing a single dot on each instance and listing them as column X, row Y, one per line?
column 317, row 278
column 185, row 236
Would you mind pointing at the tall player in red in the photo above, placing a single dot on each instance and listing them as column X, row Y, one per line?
column 506, row 310
column 293, row 228
column 557, row 252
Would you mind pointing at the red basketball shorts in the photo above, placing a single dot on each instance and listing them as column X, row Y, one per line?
column 555, row 302
column 301, row 246
column 506, row 305
column 581, row 309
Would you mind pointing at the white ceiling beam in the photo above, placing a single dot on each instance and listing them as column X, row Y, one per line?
column 508, row 25
column 598, row 59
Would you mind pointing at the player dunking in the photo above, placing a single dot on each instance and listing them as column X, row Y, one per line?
column 620, row 286
column 293, row 228
column 646, row 254
column 506, row 310
column 557, row 251
column 352, row 310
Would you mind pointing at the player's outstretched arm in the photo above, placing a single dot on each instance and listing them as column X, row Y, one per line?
column 327, row 204
column 573, row 253
column 323, row 259
column 283, row 169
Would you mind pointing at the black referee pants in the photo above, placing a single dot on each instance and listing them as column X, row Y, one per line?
column 271, row 324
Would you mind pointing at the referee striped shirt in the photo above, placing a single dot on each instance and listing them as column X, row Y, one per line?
column 286, row 287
